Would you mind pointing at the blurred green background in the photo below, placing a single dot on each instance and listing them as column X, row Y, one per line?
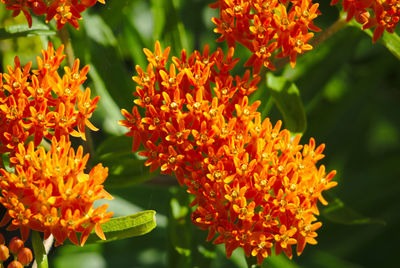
column 350, row 90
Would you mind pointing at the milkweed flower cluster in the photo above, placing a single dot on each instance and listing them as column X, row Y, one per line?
column 255, row 187
column 40, row 103
column 266, row 27
column 48, row 192
column 22, row 255
column 63, row 11
column 51, row 193
column 381, row 14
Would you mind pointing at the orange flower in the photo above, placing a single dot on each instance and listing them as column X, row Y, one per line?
column 63, row 11
column 266, row 27
column 42, row 103
column 255, row 187
column 383, row 15
column 51, row 193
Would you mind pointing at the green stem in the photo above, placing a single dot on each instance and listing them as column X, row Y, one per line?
column 39, row 251
column 69, row 51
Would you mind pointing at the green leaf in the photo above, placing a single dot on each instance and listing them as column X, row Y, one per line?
column 39, row 250
column 158, row 10
column 102, row 34
column 107, row 109
column 23, row 30
column 390, row 41
column 172, row 33
column 101, row 50
column 115, row 144
column 125, row 167
column 89, row 256
column 338, row 212
column 124, row 227
column 180, row 234
column 133, row 42
column 278, row 261
column 287, row 98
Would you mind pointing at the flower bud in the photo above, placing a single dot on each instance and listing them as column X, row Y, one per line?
column 25, row 256
column 15, row 245
column 2, row 240
column 362, row 17
column 15, row 264
column 4, row 253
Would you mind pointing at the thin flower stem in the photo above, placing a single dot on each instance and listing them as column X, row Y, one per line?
column 69, row 51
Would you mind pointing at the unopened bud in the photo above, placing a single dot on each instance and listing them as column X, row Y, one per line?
column 362, row 17
column 15, row 264
column 15, row 245
column 4, row 253
column 25, row 256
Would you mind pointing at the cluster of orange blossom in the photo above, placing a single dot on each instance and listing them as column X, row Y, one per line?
column 254, row 185
column 63, row 11
column 41, row 103
column 48, row 192
column 266, row 27
column 381, row 14
column 22, row 255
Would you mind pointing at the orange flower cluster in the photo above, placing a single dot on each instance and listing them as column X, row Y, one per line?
column 49, row 192
column 22, row 255
column 254, row 185
column 381, row 14
column 266, row 27
column 63, row 11
column 41, row 103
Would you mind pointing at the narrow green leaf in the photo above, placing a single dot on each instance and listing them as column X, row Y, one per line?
column 110, row 65
column 125, row 167
column 390, row 41
column 39, row 250
column 125, row 227
column 115, row 144
column 338, row 212
column 287, row 98
column 279, row 261
column 158, row 10
column 125, row 170
column 172, row 33
column 180, row 235
column 23, row 30
column 107, row 109
column 133, row 43
column 102, row 34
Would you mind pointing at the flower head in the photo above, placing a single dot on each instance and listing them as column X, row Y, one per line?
column 43, row 103
column 381, row 14
column 63, row 11
column 51, row 193
column 266, row 27
column 255, row 186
